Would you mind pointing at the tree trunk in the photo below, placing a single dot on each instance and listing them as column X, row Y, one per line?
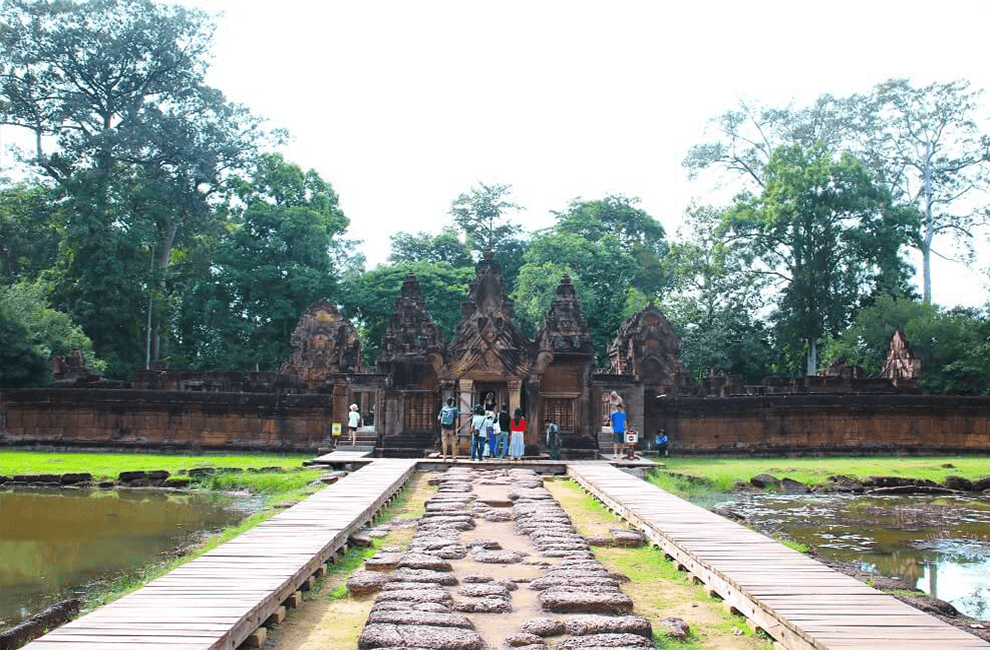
column 926, row 246
column 163, row 262
column 813, row 358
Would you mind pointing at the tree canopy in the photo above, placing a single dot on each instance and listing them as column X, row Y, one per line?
column 158, row 226
column 826, row 235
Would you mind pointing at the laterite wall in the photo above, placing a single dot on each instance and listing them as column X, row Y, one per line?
column 774, row 424
column 823, row 423
column 186, row 420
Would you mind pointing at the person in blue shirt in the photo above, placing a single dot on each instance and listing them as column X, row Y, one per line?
column 618, row 418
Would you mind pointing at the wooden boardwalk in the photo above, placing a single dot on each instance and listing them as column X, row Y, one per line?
column 221, row 597
column 800, row 602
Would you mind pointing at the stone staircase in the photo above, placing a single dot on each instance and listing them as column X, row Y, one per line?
column 366, row 440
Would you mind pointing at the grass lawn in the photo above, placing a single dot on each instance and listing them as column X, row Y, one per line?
column 109, row 464
column 722, row 474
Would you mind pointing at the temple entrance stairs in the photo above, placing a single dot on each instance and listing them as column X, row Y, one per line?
column 366, row 440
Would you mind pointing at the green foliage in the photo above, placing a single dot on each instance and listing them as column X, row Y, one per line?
column 52, row 332
column 954, row 344
column 20, row 363
column 423, row 247
column 274, row 260
column 370, row 299
column 480, row 212
column 714, row 301
column 136, row 143
column 826, row 235
column 923, row 145
column 29, row 231
column 637, row 232
column 607, row 247
column 109, row 464
column 721, row 474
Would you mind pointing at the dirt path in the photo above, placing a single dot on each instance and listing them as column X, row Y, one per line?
column 500, row 504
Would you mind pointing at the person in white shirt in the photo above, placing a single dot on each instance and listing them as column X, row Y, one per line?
column 353, row 422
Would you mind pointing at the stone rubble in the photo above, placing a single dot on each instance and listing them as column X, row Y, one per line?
column 420, row 602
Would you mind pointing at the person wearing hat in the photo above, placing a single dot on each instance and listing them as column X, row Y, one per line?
column 353, row 422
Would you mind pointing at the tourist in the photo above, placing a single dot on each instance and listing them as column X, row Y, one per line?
column 618, row 419
column 502, row 439
column 478, row 423
column 448, row 429
column 553, row 439
column 353, row 422
column 517, row 428
column 663, row 443
column 491, row 431
column 614, row 401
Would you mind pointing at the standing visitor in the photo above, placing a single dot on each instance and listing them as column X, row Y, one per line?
column 502, row 439
column 448, row 429
column 478, row 423
column 517, row 427
column 553, row 440
column 492, row 429
column 618, row 418
column 353, row 422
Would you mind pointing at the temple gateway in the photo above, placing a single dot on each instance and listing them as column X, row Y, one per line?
column 490, row 362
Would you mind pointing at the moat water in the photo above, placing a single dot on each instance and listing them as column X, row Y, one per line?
column 55, row 544
column 940, row 545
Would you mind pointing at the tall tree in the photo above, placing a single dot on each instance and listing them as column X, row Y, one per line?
column 606, row 247
column 825, row 232
column 113, row 92
column 275, row 261
column 926, row 146
column 29, row 231
column 481, row 212
column 370, row 298
column 424, row 247
column 714, row 300
column 637, row 232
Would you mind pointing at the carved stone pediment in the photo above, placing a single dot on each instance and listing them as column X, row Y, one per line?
column 648, row 348
column 565, row 330
column 488, row 343
column 411, row 335
column 902, row 367
column 324, row 342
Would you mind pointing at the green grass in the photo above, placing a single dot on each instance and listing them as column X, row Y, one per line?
column 109, row 464
column 700, row 477
column 648, row 566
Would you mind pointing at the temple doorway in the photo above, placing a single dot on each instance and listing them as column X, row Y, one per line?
column 491, row 395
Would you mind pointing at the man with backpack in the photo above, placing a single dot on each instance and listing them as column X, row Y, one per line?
column 448, row 429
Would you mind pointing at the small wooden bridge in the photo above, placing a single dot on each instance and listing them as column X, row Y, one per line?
column 801, row 603
column 223, row 596
column 219, row 599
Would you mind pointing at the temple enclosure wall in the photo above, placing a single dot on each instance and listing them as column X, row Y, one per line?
column 823, row 423
column 164, row 419
column 773, row 424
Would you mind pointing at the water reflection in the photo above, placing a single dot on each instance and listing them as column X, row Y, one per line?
column 54, row 542
column 940, row 544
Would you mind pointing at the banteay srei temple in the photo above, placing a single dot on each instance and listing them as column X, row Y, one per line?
column 489, row 361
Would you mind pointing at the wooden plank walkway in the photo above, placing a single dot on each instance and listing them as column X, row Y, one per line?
column 800, row 602
column 221, row 597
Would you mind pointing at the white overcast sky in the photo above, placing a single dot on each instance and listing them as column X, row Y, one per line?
column 404, row 105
